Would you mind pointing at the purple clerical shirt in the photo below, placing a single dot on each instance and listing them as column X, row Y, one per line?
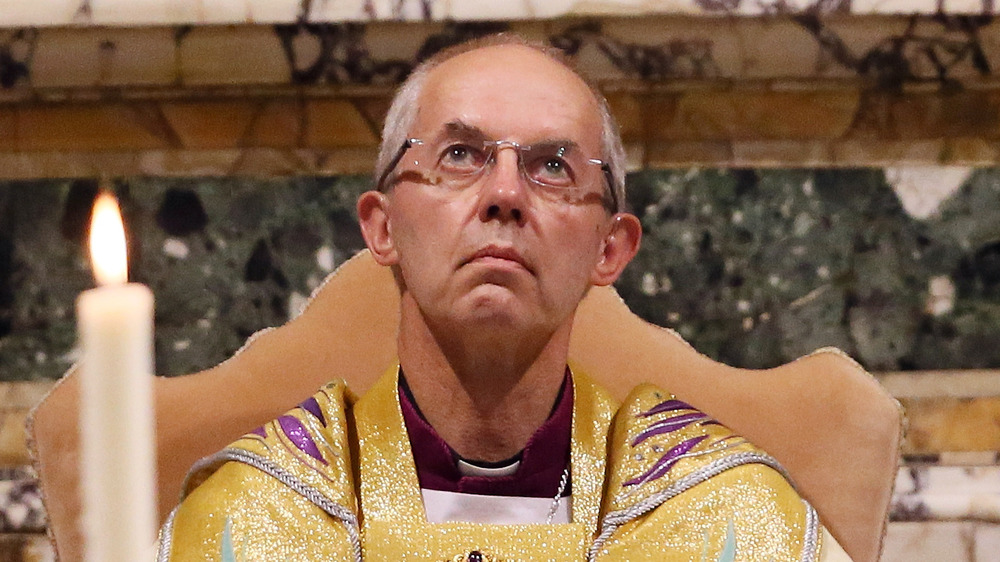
column 542, row 461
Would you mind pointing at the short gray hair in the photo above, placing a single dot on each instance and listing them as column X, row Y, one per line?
column 403, row 110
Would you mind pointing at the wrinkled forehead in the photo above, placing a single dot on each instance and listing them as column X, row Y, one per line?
column 509, row 92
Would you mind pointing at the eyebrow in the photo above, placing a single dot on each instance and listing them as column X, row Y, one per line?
column 460, row 129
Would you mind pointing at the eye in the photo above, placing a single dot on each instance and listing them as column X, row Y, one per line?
column 461, row 158
column 550, row 168
column 555, row 167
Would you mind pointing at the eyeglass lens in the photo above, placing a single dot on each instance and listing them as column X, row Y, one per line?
column 555, row 165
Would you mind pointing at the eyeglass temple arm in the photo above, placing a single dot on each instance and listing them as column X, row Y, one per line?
column 610, row 178
column 395, row 161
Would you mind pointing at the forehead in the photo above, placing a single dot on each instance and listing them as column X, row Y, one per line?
column 510, row 92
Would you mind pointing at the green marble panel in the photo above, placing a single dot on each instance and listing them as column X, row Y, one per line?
column 754, row 267
column 224, row 258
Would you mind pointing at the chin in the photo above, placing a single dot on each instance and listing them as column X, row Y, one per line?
column 492, row 317
column 499, row 317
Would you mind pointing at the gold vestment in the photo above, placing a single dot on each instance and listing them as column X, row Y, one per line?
column 334, row 479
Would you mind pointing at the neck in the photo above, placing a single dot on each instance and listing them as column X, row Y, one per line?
column 484, row 393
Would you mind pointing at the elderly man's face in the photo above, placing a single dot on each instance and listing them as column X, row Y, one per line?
column 501, row 251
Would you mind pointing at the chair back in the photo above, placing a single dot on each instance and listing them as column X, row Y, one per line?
column 835, row 430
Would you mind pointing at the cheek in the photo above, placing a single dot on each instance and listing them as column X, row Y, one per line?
column 583, row 240
column 422, row 240
column 407, row 224
column 577, row 254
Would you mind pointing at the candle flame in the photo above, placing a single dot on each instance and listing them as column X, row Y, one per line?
column 108, row 253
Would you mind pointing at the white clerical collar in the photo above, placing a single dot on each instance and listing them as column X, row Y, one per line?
column 466, row 468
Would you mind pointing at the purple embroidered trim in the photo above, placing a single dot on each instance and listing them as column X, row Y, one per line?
column 667, row 461
column 312, row 406
column 298, row 435
column 667, row 406
column 668, row 425
column 259, row 431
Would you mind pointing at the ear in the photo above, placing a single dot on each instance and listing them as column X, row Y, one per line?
column 373, row 216
column 619, row 247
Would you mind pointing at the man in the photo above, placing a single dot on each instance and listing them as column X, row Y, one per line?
column 499, row 203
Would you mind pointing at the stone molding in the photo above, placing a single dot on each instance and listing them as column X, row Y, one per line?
column 198, row 12
column 292, row 135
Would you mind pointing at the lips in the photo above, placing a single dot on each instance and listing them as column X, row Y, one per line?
column 500, row 253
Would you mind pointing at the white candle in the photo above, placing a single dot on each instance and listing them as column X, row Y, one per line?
column 115, row 323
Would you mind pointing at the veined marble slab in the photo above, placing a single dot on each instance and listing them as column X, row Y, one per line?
column 17, row 13
column 21, row 509
column 926, row 493
column 968, row 383
column 941, row 541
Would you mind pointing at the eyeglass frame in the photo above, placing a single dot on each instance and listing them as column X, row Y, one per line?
column 410, row 142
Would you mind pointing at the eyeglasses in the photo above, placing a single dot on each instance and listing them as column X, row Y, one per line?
column 558, row 169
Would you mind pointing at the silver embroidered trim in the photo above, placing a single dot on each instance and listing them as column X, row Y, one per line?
column 166, row 537
column 614, row 520
column 336, row 511
column 810, row 544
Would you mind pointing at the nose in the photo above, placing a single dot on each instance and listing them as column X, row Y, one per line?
column 504, row 193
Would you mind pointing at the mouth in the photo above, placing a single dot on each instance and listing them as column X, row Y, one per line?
column 500, row 255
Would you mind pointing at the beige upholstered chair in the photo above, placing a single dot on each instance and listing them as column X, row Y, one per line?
column 830, row 424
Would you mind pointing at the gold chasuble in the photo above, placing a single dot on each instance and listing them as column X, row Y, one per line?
column 334, row 479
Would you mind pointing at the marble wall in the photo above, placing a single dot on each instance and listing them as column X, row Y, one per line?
column 808, row 173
